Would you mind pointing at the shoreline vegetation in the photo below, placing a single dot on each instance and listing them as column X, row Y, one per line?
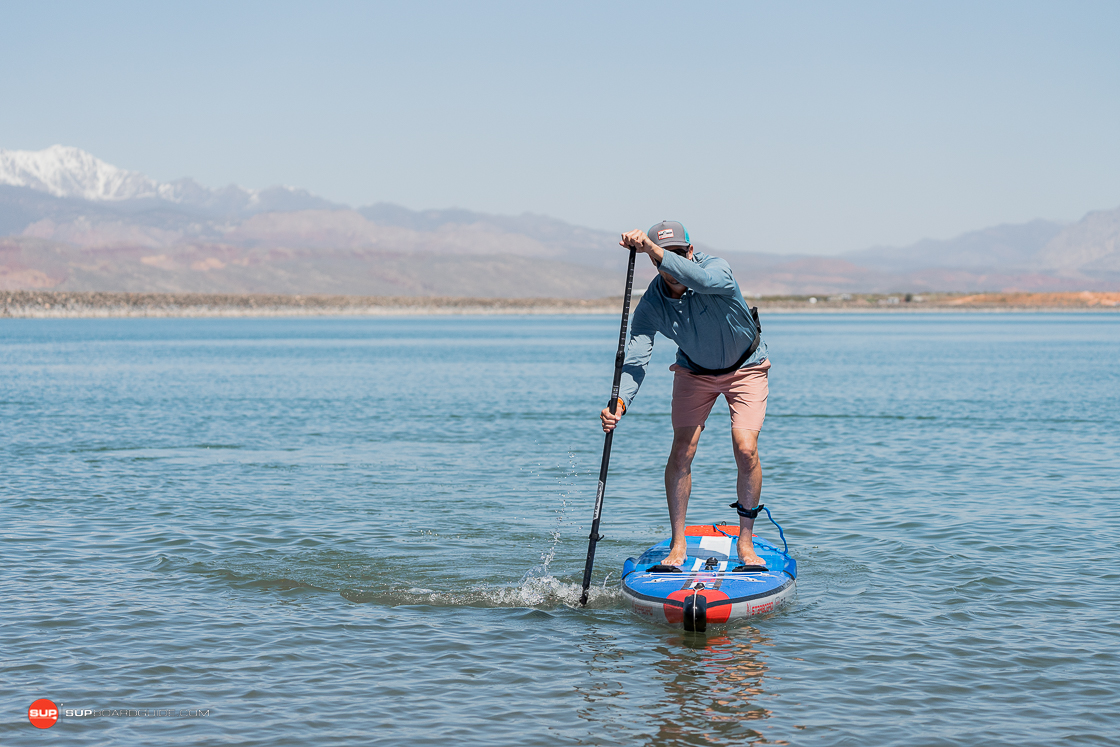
column 57, row 304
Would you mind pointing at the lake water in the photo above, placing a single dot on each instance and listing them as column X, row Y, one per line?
column 371, row 531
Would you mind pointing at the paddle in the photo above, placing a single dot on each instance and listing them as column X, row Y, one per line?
column 619, row 357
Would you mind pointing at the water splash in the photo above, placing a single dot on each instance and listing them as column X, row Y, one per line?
column 537, row 592
column 537, row 588
column 567, row 485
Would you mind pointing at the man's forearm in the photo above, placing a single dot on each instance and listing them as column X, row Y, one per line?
column 717, row 280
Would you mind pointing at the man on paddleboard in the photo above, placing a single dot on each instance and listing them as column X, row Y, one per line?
column 696, row 303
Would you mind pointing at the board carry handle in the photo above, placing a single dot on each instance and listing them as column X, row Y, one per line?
column 619, row 357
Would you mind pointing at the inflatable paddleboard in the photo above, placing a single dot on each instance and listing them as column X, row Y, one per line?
column 707, row 589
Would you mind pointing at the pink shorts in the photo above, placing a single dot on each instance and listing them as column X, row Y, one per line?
column 745, row 391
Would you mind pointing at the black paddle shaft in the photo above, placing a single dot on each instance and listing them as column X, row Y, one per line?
column 619, row 357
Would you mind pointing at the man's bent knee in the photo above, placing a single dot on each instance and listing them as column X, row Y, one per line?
column 685, row 441
column 748, row 454
column 746, row 448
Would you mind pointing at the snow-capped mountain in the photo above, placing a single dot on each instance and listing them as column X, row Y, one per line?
column 69, row 172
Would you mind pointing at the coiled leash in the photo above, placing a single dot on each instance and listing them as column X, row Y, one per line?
column 752, row 513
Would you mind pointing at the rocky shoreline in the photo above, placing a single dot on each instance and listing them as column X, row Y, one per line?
column 53, row 304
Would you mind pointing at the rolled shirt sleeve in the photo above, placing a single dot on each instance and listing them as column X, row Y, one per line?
column 714, row 278
column 639, row 350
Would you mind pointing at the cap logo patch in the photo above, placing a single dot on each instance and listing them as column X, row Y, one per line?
column 665, row 233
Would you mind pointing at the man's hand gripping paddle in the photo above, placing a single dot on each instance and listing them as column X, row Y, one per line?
column 618, row 359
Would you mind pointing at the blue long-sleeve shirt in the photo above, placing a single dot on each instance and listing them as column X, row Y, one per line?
column 710, row 323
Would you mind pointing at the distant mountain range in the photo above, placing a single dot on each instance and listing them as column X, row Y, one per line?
column 69, row 221
column 72, row 173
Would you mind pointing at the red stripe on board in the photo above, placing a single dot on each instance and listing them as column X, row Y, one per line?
column 711, row 530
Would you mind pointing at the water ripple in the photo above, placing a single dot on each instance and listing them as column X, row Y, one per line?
column 371, row 531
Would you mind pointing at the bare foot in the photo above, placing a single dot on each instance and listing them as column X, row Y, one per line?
column 676, row 556
column 747, row 555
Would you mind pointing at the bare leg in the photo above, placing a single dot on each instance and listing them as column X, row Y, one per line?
column 748, row 487
column 678, row 486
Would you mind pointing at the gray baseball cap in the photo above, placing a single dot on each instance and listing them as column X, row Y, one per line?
column 668, row 233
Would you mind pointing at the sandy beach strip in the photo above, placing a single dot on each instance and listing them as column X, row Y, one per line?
column 56, row 304
column 60, row 304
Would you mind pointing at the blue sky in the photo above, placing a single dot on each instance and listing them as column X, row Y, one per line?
column 782, row 127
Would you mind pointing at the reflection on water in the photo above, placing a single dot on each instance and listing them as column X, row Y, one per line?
column 701, row 690
column 713, row 686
